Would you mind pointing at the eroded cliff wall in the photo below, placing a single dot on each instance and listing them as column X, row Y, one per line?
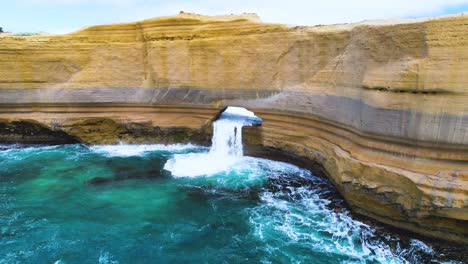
column 381, row 106
column 240, row 52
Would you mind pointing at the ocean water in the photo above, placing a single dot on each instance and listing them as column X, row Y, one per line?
column 117, row 204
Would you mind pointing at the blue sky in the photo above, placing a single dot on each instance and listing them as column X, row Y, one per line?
column 62, row 16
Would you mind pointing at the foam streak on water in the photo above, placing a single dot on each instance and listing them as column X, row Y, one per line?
column 125, row 150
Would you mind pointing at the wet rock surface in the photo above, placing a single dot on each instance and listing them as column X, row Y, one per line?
column 31, row 132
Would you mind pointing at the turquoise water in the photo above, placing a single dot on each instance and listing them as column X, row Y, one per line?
column 116, row 204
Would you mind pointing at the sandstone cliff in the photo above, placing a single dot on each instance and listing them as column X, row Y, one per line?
column 240, row 52
column 382, row 108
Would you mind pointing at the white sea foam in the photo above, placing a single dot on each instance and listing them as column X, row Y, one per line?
column 226, row 149
column 309, row 223
column 197, row 164
column 225, row 152
column 302, row 219
column 106, row 258
column 128, row 150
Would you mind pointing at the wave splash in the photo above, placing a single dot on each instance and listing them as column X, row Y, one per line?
column 226, row 149
column 297, row 222
column 127, row 150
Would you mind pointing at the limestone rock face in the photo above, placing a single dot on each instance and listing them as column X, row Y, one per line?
column 382, row 107
column 241, row 52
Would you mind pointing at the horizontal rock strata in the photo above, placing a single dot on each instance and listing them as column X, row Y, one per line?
column 381, row 108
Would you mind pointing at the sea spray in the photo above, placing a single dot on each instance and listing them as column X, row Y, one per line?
column 226, row 148
column 227, row 138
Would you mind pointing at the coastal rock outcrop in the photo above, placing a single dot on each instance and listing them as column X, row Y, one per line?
column 380, row 106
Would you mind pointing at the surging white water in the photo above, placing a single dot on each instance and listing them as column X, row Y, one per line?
column 227, row 138
column 226, row 149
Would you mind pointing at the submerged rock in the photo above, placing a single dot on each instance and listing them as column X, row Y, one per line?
column 207, row 192
column 99, row 181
